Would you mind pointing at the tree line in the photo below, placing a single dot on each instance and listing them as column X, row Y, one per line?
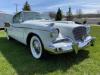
column 59, row 15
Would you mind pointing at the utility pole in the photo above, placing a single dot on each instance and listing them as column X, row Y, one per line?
column 16, row 5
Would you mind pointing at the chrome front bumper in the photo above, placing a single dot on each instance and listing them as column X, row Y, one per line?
column 68, row 47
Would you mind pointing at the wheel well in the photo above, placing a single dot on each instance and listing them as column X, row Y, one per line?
column 30, row 36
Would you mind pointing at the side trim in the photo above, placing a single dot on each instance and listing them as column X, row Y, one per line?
column 30, row 28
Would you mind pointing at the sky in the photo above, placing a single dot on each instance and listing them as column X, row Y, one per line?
column 87, row 6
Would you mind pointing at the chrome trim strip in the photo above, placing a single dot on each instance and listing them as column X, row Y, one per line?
column 29, row 28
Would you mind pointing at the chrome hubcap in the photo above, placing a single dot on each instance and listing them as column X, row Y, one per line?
column 36, row 46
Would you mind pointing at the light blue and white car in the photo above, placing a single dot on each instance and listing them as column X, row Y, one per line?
column 40, row 34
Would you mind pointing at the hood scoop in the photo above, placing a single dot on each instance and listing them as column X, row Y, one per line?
column 51, row 24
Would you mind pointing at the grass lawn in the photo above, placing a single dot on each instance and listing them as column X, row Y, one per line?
column 16, row 59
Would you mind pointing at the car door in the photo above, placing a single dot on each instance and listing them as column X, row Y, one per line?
column 17, row 29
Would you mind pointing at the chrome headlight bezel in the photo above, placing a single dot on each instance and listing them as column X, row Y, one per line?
column 54, row 32
column 88, row 29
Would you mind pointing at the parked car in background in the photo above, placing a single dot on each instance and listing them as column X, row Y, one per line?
column 32, row 29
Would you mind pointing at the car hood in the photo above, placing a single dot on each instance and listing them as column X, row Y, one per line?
column 65, row 27
column 45, row 23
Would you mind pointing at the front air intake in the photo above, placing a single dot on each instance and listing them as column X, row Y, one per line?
column 79, row 33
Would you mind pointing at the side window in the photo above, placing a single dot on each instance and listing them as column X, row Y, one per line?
column 17, row 18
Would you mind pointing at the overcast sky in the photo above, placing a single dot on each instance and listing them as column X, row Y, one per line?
column 87, row 6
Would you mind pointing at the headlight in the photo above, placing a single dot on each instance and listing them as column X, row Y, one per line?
column 54, row 33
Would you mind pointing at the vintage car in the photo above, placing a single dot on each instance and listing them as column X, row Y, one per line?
column 39, row 34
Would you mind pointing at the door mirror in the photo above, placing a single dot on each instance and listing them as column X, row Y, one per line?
column 7, row 24
column 84, row 22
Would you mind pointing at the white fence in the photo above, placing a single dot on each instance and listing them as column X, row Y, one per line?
column 89, row 20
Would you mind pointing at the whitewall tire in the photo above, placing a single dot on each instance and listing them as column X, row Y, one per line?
column 36, row 47
column 7, row 36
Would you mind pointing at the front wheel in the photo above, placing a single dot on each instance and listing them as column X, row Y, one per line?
column 36, row 47
column 7, row 36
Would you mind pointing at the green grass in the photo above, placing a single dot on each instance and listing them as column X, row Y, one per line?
column 16, row 59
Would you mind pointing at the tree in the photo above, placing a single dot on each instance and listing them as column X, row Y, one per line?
column 58, row 15
column 26, row 7
column 69, row 15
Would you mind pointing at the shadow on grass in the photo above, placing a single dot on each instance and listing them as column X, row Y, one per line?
column 20, row 58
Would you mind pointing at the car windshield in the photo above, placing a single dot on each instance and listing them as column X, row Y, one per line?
column 33, row 16
column 24, row 16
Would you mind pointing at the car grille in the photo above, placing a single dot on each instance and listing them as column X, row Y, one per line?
column 79, row 33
